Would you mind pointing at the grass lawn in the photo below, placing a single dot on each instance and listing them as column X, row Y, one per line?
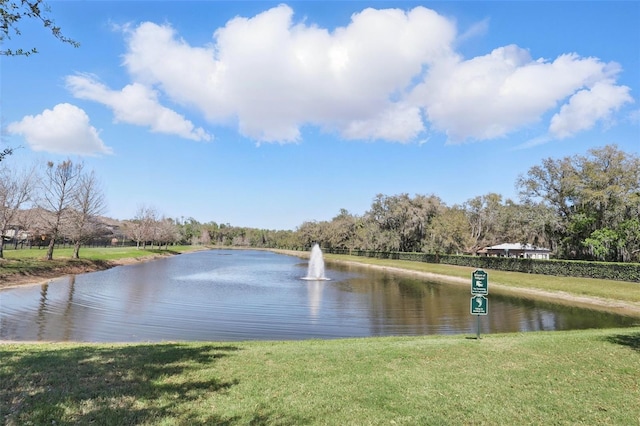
column 92, row 253
column 574, row 377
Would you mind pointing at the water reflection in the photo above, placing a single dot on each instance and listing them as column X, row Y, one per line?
column 244, row 295
column 42, row 310
column 314, row 289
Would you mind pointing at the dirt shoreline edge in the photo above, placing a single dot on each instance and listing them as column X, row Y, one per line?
column 43, row 277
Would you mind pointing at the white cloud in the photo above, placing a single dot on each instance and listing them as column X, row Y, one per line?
column 388, row 74
column 476, row 30
column 273, row 76
column 399, row 123
column 65, row 129
column 587, row 107
column 493, row 95
column 135, row 104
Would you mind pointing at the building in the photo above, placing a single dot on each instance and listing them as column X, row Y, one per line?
column 516, row 250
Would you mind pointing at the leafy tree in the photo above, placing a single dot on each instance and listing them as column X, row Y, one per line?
column 449, row 233
column 403, row 221
column 310, row 233
column 629, row 235
column 191, row 231
column 527, row 223
column 14, row 11
column 591, row 192
column 602, row 243
column 341, row 231
column 483, row 213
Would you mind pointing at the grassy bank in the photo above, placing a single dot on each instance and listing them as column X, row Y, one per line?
column 29, row 265
column 576, row 377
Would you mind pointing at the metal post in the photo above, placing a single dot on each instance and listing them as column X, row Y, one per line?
column 478, row 334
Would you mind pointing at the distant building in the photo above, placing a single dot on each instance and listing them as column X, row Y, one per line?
column 516, row 250
column 15, row 234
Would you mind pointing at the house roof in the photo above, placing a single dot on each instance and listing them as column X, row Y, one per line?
column 518, row 246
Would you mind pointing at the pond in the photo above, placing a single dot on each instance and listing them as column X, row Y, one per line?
column 234, row 295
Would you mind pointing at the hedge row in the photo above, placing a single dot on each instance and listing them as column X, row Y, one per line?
column 566, row 268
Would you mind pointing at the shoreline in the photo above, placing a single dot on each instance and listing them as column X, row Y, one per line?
column 40, row 278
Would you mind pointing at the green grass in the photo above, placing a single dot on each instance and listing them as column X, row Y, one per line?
column 574, row 377
column 605, row 289
column 31, row 263
column 94, row 253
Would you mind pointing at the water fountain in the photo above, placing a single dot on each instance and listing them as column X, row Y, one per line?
column 315, row 271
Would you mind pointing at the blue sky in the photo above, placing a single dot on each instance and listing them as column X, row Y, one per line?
column 267, row 114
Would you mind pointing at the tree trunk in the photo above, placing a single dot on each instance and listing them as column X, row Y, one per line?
column 1, row 246
column 52, row 243
column 76, row 250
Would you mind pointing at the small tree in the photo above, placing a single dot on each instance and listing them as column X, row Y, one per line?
column 143, row 226
column 59, row 188
column 16, row 189
column 167, row 232
column 87, row 203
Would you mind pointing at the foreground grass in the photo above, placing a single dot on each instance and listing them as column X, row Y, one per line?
column 575, row 377
column 590, row 287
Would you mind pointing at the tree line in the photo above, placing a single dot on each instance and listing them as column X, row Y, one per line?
column 581, row 207
column 50, row 203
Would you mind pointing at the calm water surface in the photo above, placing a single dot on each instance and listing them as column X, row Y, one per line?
column 227, row 295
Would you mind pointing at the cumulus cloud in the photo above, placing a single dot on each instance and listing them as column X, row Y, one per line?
column 271, row 76
column 135, row 104
column 65, row 129
column 387, row 74
column 493, row 95
column 587, row 107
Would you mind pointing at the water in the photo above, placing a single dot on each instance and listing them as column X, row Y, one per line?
column 233, row 295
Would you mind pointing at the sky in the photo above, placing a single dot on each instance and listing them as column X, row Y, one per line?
column 268, row 115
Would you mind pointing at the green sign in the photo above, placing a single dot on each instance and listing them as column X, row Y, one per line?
column 479, row 305
column 479, row 282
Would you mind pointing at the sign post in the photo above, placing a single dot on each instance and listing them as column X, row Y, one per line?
column 479, row 289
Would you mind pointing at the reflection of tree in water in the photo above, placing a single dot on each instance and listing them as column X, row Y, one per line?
column 146, row 283
column 67, row 315
column 404, row 305
column 42, row 310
